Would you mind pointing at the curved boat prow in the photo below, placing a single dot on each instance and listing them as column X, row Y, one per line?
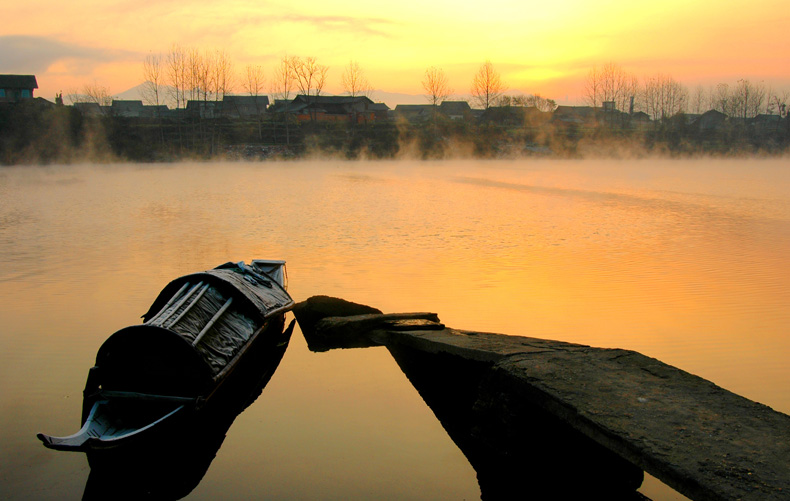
column 104, row 430
column 91, row 429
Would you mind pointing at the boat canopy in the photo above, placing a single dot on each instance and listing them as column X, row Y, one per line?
column 260, row 292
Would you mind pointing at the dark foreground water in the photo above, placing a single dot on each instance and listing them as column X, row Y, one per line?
column 685, row 261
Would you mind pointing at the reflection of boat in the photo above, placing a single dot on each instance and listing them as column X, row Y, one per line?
column 193, row 338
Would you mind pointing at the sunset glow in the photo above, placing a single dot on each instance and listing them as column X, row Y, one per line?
column 538, row 47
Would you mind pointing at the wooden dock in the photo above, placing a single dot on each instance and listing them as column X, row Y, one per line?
column 705, row 442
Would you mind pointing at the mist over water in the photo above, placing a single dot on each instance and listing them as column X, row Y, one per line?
column 684, row 261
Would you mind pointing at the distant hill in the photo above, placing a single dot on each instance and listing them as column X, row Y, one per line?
column 132, row 94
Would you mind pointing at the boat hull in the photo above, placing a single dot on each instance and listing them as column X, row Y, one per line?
column 150, row 378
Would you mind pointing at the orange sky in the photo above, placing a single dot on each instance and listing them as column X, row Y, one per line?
column 538, row 47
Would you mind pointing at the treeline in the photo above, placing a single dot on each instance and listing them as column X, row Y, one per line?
column 674, row 118
column 662, row 97
column 32, row 133
column 188, row 74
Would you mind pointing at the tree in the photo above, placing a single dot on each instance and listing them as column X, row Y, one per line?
column 777, row 102
column 487, row 86
column 592, row 88
column 748, row 99
column 196, row 75
column 282, row 86
column 663, row 97
column 435, row 85
column 354, row 81
column 97, row 93
column 721, row 100
column 697, row 103
column 153, row 75
column 253, row 84
column 309, row 77
column 175, row 74
column 221, row 67
column 253, row 80
column 610, row 83
column 541, row 103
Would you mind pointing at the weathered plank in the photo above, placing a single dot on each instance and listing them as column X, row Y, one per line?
column 702, row 440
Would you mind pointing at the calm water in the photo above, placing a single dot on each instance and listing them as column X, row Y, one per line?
column 685, row 261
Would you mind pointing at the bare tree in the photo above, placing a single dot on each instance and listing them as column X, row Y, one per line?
column 281, row 87
column 592, row 88
column 721, row 99
column 253, row 81
column 97, row 93
column 354, row 81
column 698, row 100
column 610, row 83
column 196, row 71
column 253, row 84
column 222, row 77
column 153, row 74
column 487, row 85
column 73, row 95
column 283, row 79
column 435, row 85
column 539, row 102
column 663, row 97
column 777, row 102
column 309, row 77
column 175, row 74
column 201, row 75
column 748, row 99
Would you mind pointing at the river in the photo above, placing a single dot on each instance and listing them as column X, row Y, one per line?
column 682, row 260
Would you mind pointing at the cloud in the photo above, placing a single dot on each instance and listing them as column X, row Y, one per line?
column 357, row 25
column 35, row 54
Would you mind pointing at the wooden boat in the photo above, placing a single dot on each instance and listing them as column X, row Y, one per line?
column 192, row 339
column 171, row 468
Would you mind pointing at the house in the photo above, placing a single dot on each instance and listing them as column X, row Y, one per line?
column 639, row 120
column 203, row 109
column 15, row 88
column 127, row 108
column 89, row 109
column 244, row 107
column 710, row 120
column 766, row 124
column 380, row 111
column 514, row 116
column 455, row 110
column 576, row 115
column 288, row 106
column 414, row 112
column 329, row 108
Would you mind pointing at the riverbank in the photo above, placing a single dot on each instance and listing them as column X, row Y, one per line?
column 35, row 134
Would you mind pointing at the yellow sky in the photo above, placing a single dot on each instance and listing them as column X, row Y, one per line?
column 538, row 47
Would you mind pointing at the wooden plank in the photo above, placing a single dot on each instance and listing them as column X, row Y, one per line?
column 702, row 440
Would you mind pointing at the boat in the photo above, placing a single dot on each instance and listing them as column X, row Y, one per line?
column 150, row 376
column 174, row 467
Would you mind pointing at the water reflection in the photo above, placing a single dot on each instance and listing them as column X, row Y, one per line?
column 170, row 467
column 687, row 263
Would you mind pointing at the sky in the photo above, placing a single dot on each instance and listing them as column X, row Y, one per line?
column 544, row 48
